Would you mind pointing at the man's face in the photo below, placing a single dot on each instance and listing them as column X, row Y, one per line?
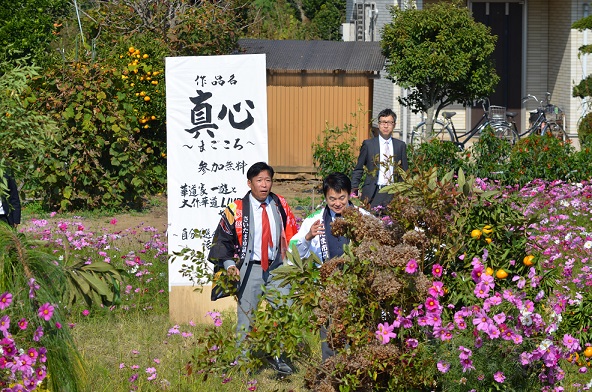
column 261, row 185
column 386, row 125
column 337, row 201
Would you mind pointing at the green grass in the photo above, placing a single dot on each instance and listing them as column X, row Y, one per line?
column 138, row 338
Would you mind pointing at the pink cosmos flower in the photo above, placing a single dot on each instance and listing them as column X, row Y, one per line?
column 46, row 311
column 481, row 290
column 413, row 343
column 85, row 312
column 499, row 377
column 252, row 385
column 22, row 324
column 464, row 352
column 432, row 304
column 38, row 333
column 443, row 367
column 385, row 333
column 477, row 272
column 571, row 343
column 174, row 330
column 32, row 287
column 52, row 214
column 32, row 353
column 113, row 221
column 437, row 289
column 411, row 266
column 467, row 365
column 5, row 300
column 499, row 318
column 437, row 270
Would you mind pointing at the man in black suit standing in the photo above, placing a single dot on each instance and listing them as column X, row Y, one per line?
column 10, row 208
column 374, row 153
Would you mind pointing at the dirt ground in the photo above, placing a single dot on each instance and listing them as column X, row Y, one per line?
column 302, row 195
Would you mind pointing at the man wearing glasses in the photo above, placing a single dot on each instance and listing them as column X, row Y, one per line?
column 378, row 155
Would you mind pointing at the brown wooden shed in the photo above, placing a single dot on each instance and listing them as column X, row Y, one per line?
column 311, row 84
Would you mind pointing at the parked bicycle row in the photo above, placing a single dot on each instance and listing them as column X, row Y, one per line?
column 547, row 119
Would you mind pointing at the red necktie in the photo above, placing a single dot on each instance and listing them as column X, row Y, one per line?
column 266, row 241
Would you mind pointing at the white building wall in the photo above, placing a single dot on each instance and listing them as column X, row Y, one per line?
column 537, row 52
column 578, row 68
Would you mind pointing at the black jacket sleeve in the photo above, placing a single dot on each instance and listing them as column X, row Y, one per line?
column 225, row 242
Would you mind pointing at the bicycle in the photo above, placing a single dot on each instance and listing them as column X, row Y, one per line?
column 547, row 119
column 494, row 116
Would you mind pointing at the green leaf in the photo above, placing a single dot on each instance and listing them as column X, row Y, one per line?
column 67, row 193
column 97, row 284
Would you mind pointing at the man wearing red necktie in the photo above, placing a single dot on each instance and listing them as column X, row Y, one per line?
column 251, row 241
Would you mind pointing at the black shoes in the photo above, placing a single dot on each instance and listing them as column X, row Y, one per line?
column 281, row 367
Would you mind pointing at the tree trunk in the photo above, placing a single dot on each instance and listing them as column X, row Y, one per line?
column 429, row 128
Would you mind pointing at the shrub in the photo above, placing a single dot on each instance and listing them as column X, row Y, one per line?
column 541, row 157
column 335, row 152
column 581, row 164
column 106, row 155
column 24, row 132
column 443, row 155
column 585, row 130
column 489, row 156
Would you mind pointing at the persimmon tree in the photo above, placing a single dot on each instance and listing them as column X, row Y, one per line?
column 441, row 54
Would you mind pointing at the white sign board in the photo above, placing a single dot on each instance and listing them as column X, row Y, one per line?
column 216, row 109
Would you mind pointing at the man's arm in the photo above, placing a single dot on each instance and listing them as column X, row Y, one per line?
column 224, row 243
column 359, row 168
column 402, row 154
column 304, row 245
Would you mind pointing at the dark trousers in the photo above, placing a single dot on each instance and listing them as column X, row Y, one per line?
column 326, row 351
column 381, row 199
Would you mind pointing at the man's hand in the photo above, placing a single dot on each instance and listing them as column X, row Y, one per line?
column 233, row 271
column 316, row 229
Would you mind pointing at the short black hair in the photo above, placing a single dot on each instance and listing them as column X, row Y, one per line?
column 386, row 113
column 338, row 182
column 257, row 168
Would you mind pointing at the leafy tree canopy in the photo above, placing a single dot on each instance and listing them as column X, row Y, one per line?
column 441, row 53
column 27, row 27
column 296, row 19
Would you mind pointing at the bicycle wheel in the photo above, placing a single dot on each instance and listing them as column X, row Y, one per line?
column 504, row 132
column 441, row 132
column 556, row 130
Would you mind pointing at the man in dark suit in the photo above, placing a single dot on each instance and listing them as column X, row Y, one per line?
column 10, row 208
column 375, row 153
